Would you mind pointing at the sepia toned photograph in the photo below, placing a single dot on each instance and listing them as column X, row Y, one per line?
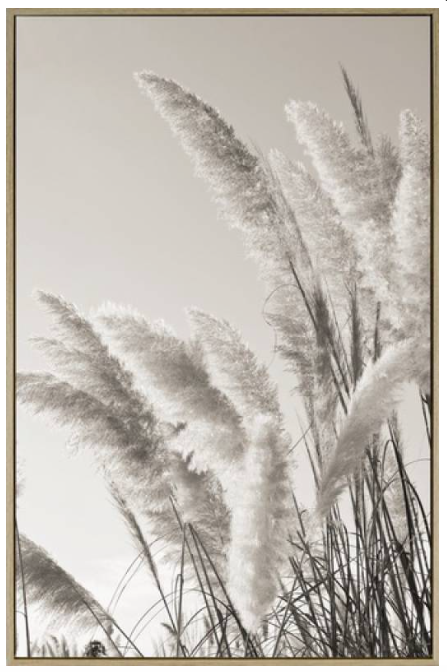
column 222, row 277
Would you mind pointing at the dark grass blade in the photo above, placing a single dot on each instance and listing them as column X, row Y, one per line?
column 359, row 115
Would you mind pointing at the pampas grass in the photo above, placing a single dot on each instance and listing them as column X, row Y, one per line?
column 259, row 525
column 234, row 367
column 411, row 224
column 60, row 598
column 353, row 178
column 189, row 434
column 380, row 391
column 240, row 180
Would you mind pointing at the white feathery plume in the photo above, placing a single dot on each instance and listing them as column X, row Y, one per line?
column 258, row 502
column 115, row 441
column 92, row 394
column 61, row 601
column 313, row 348
column 74, row 328
column 247, row 191
column 171, row 374
column 200, row 500
column 310, row 342
column 353, row 180
column 92, row 421
column 195, row 492
column 330, row 245
column 79, row 357
column 388, row 161
column 235, row 370
column 411, row 223
column 163, row 364
column 95, row 397
column 343, row 171
column 84, row 370
column 258, row 493
column 242, row 183
column 379, row 391
column 233, row 366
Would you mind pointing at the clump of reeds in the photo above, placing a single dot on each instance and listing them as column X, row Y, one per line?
column 189, row 434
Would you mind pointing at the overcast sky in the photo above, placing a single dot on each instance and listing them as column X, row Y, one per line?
column 108, row 207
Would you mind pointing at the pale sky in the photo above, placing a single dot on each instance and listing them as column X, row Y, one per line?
column 108, row 207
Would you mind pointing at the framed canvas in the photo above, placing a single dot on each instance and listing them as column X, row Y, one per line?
column 222, row 324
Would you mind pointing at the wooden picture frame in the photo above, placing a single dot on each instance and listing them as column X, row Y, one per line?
column 162, row 93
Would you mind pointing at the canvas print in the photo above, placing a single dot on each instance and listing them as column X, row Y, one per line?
column 223, row 310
